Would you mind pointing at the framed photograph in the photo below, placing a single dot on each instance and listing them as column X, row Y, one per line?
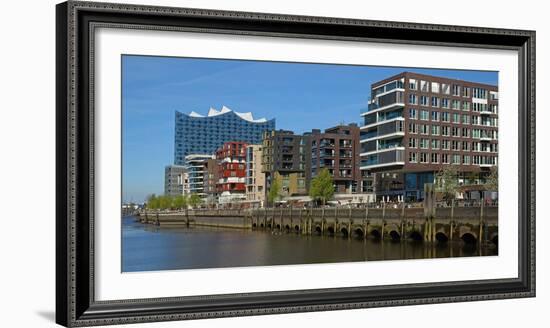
column 216, row 163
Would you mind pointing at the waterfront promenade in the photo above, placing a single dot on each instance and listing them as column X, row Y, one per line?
column 471, row 224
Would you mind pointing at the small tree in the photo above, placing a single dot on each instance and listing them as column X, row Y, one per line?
column 322, row 187
column 194, row 200
column 275, row 190
column 180, row 201
column 492, row 180
column 447, row 183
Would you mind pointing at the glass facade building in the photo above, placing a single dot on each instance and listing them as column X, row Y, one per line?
column 197, row 134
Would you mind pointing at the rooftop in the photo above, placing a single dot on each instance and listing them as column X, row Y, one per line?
column 214, row 112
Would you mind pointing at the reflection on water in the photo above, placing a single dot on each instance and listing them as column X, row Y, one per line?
column 148, row 248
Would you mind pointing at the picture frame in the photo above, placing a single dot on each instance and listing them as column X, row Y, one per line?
column 76, row 304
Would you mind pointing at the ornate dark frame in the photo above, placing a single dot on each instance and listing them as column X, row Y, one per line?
column 75, row 302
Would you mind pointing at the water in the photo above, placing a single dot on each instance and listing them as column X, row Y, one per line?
column 150, row 248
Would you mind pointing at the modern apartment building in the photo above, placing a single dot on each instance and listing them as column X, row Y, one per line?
column 231, row 158
column 196, row 172
column 255, row 178
column 196, row 134
column 417, row 124
column 338, row 150
column 287, row 156
column 176, row 180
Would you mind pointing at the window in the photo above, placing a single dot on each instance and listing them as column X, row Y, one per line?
column 445, row 89
column 465, row 119
column 435, row 87
column 435, row 130
column 456, row 118
column 475, row 146
column 466, row 159
column 465, row 132
column 476, row 133
column 412, row 157
column 465, row 106
column 476, row 159
column 412, row 84
column 455, row 104
column 435, row 158
column 435, row 102
column 423, row 157
column 455, row 132
column 445, row 158
column 455, row 145
column 465, row 92
column 479, row 93
column 412, row 99
column 475, row 120
column 456, row 159
column 412, row 114
column 413, row 128
column 456, row 90
column 445, row 131
column 424, row 143
column 413, row 142
column 424, row 128
column 435, row 116
column 424, row 115
column 444, row 117
column 465, row 146
column 435, row 144
column 445, row 103
column 445, row 144
column 424, row 86
column 423, row 101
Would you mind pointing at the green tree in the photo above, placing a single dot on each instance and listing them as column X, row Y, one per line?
column 165, row 202
column 322, row 187
column 152, row 202
column 492, row 180
column 180, row 201
column 194, row 200
column 275, row 190
column 447, row 182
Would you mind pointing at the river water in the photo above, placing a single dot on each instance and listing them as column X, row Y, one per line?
column 151, row 248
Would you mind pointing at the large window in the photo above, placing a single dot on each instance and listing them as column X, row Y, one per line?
column 413, row 142
column 435, row 158
column 424, row 143
column 423, row 157
column 412, row 113
column 423, row 100
column 435, row 87
column 435, row 130
column 424, row 128
column 412, row 157
column 435, row 143
column 445, row 103
column 424, row 115
column 412, row 84
column 412, row 99
column 435, row 102
column 456, row 90
column 435, row 116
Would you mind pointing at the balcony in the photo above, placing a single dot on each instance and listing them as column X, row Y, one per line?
column 385, row 131
column 394, row 157
column 388, row 101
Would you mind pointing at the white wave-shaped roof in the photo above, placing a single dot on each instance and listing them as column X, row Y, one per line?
column 214, row 112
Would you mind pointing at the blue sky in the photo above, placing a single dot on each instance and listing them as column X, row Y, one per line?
column 300, row 96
